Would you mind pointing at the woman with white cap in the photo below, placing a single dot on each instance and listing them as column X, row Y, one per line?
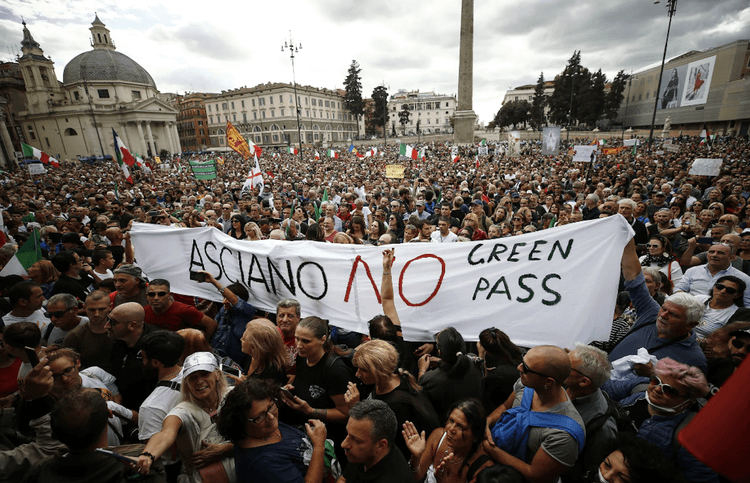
column 191, row 427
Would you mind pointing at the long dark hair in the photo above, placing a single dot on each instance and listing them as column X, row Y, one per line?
column 452, row 347
column 477, row 418
column 500, row 349
column 320, row 328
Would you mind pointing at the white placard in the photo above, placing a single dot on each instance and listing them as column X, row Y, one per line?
column 555, row 286
column 36, row 168
column 584, row 154
column 706, row 167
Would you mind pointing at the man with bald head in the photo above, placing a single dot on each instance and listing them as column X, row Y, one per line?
column 550, row 451
column 126, row 326
column 115, row 237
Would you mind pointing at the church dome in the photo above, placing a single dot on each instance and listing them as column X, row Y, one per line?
column 105, row 65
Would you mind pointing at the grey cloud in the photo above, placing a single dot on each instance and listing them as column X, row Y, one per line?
column 203, row 40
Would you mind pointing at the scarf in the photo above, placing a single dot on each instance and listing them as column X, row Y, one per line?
column 659, row 261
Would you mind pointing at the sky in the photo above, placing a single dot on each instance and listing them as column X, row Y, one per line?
column 191, row 46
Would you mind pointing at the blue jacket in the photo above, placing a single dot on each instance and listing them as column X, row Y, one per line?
column 660, row 430
column 226, row 340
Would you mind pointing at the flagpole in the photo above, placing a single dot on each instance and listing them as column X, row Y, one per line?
column 671, row 5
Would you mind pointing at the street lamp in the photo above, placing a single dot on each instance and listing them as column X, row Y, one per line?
column 671, row 8
column 570, row 112
column 293, row 50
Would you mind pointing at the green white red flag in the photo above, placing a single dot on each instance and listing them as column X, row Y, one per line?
column 408, row 151
column 124, row 158
column 32, row 152
column 291, row 150
column 332, row 154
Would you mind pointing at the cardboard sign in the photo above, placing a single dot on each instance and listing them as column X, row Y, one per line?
column 394, row 171
column 36, row 168
column 706, row 167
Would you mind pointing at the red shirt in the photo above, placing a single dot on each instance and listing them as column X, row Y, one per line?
column 178, row 316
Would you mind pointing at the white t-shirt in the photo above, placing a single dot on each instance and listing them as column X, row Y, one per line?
column 155, row 408
column 104, row 276
column 57, row 335
column 436, row 237
column 36, row 317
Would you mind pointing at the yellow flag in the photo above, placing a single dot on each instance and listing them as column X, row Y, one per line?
column 236, row 141
column 156, row 158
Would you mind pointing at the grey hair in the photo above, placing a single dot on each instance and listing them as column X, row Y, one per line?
column 69, row 300
column 593, row 197
column 8, row 249
column 382, row 417
column 287, row 303
column 627, row 201
column 654, row 275
column 693, row 307
column 594, row 363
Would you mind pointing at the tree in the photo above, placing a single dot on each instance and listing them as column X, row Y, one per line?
column 565, row 85
column 513, row 113
column 353, row 97
column 614, row 97
column 591, row 107
column 538, row 104
column 380, row 107
column 404, row 116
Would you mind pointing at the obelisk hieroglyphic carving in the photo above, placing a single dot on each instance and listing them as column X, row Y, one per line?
column 465, row 116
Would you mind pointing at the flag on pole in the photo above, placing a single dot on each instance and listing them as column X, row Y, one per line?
column 318, row 208
column 124, row 158
column 483, row 142
column 32, row 152
column 291, row 150
column 422, row 155
column 237, row 142
column 408, row 151
column 332, row 154
column 317, row 155
column 29, row 253
column 254, row 178
column 602, row 142
column 454, row 154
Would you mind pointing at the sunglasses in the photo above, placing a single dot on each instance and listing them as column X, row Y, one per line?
column 738, row 344
column 526, row 369
column 729, row 290
column 154, row 294
column 666, row 389
column 653, row 246
column 57, row 314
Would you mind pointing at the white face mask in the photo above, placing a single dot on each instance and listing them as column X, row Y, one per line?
column 672, row 410
column 602, row 479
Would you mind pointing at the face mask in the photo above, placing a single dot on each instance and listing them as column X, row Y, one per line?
column 672, row 410
column 601, row 479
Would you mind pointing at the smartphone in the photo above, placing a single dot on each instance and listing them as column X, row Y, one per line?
column 197, row 276
column 287, row 393
column 705, row 240
column 32, row 356
column 230, row 370
column 153, row 213
column 118, row 456
column 691, row 219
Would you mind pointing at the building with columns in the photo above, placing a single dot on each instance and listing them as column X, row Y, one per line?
column 433, row 111
column 102, row 89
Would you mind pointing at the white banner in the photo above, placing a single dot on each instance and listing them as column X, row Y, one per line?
column 36, row 168
column 632, row 142
column 706, row 167
column 584, row 154
column 554, row 286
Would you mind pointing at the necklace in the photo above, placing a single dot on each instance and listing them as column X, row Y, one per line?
column 276, row 434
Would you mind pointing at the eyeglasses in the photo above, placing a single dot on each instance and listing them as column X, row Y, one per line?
column 653, row 246
column 262, row 418
column 526, row 369
column 57, row 314
column 67, row 372
column 729, row 290
column 579, row 372
column 738, row 344
column 154, row 294
column 666, row 389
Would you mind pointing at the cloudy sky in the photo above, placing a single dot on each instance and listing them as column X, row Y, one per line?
column 407, row 44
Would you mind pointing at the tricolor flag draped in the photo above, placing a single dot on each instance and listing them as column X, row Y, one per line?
column 32, row 152
column 124, row 158
column 29, row 253
column 254, row 178
column 332, row 154
column 408, row 151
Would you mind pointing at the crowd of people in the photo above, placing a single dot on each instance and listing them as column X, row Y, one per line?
column 95, row 356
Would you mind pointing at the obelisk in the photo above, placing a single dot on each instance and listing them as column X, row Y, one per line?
column 463, row 124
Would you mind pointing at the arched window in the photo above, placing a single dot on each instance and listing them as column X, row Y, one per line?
column 275, row 127
column 302, row 126
column 221, row 132
column 70, row 132
column 256, row 129
column 315, row 127
column 328, row 127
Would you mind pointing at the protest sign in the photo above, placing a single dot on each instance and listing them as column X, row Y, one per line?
column 584, row 154
column 394, row 171
column 554, row 286
column 551, row 144
column 36, row 168
column 706, row 167
column 205, row 170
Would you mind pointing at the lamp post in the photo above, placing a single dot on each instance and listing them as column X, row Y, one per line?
column 570, row 112
column 627, row 102
column 293, row 50
column 671, row 9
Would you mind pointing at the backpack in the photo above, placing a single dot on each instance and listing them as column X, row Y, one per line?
column 622, row 418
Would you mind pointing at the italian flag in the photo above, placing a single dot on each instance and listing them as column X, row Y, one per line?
column 408, row 151
column 28, row 254
column 332, row 154
column 124, row 158
column 291, row 150
column 317, row 156
column 602, row 142
column 483, row 142
column 32, row 152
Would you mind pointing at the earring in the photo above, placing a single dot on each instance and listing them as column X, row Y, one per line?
column 545, row 387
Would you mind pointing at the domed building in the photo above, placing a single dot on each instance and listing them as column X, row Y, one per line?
column 102, row 89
